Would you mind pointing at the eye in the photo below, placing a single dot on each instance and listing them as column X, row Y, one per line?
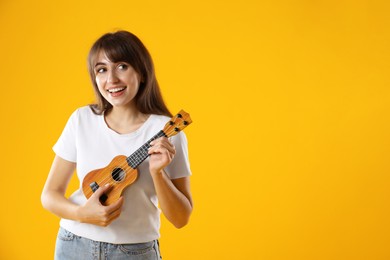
column 123, row 66
column 100, row 70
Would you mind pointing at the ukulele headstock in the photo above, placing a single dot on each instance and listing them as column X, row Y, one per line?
column 177, row 123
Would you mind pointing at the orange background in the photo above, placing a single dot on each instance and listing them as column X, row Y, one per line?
column 290, row 101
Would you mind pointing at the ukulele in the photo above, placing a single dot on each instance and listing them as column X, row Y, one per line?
column 122, row 171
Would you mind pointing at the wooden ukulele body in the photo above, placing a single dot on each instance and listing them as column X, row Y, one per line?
column 118, row 174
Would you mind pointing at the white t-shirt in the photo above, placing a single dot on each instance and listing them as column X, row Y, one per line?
column 89, row 142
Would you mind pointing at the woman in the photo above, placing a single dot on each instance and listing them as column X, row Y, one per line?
column 128, row 112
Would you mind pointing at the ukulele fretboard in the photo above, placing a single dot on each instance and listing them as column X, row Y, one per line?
column 141, row 154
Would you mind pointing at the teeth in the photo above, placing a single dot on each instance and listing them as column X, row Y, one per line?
column 113, row 90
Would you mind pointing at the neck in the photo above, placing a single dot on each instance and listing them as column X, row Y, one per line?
column 125, row 119
column 128, row 112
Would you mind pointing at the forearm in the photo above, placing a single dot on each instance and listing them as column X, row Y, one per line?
column 174, row 204
column 92, row 212
column 56, row 203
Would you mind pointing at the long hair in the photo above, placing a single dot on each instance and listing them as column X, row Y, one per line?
column 125, row 46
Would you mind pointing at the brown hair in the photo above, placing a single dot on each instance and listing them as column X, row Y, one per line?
column 125, row 46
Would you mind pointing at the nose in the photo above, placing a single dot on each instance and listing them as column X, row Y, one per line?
column 112, row 77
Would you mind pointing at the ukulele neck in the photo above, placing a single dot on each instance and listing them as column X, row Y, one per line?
column 141, row 154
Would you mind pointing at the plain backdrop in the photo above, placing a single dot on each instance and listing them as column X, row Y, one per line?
column 289, row 145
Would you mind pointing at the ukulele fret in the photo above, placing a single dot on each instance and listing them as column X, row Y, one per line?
column 141, row 154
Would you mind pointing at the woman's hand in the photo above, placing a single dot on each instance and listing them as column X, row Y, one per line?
column 161, row 153
column 93, row 212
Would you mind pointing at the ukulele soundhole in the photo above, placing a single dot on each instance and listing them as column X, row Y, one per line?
column 118, row 174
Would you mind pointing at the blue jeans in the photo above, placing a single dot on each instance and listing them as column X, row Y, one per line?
column 70, row 246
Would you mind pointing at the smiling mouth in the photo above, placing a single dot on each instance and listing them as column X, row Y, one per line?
column 116, row 90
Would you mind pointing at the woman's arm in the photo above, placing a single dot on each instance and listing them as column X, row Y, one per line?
column 174, row 195
column 53, row 198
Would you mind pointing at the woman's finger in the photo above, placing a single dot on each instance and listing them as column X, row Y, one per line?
column 158, row 144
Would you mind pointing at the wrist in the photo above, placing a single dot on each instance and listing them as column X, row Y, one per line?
column 79, row 215
column 157, row 173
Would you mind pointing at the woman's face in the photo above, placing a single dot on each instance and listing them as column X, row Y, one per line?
column 118, row 82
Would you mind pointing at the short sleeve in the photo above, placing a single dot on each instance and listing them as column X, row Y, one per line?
column 180, row 165
column 65, row 147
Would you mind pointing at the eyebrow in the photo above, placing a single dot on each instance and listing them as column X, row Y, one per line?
column 99, row 63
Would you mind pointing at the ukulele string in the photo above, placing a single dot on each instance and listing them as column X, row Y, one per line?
column 127, row 169
column 170, row 132
column 124, row 166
